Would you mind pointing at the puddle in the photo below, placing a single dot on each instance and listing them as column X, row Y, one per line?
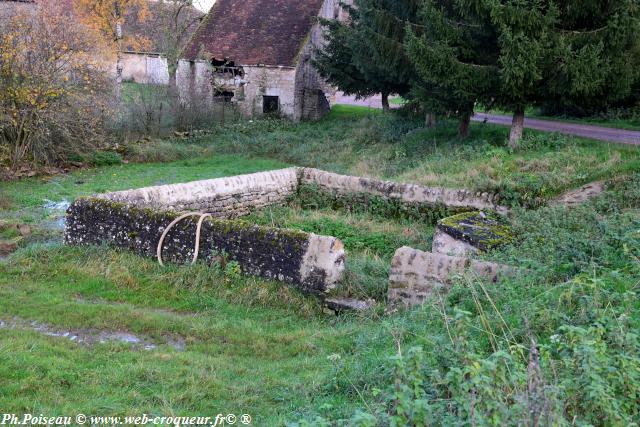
column 57, row 211
column 91, row 336
column 56, row 206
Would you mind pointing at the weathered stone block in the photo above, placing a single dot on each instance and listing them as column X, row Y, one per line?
column 314, row 263
column 470, row 232
column 416, row 275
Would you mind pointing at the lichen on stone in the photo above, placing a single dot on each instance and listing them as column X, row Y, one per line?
column 483, row 230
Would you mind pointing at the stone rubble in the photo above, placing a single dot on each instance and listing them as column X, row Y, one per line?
column 417, row 275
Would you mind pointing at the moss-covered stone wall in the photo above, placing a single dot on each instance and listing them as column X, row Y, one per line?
column 313, row 263
column 407, row 194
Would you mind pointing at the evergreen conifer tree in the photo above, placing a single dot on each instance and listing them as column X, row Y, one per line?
column 455, row 55
column 366, row 55
column 520, row 53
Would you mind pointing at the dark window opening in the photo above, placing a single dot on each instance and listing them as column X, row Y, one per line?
column 223, row 96
column 270, row 104
column 227, row 67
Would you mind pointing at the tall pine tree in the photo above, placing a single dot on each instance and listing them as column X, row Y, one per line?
column 571, row 50
column 366, row 55
column 455, row 55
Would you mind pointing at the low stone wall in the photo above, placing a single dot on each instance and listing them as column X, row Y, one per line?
column 407, row 193
column 228, row 197
column 135, row 220
column 416, row 275
column 314, row 263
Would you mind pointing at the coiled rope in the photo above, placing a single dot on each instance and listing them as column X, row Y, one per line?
column 196, row 250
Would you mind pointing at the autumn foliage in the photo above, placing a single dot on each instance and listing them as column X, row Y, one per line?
column 102, row 16
column 53, row 88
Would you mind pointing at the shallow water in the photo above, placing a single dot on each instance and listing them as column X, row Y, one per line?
column 91, row 336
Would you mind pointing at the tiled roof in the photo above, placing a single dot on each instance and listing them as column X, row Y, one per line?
column 252, row 32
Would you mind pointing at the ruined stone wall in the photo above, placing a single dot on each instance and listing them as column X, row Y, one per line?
column 267, row 81
column 314, row 263
column 237, row 195
column 417, row 275
column 193, row 80
column 145, row 69
column 227, row 197
column 135, row 220
column 406, row 193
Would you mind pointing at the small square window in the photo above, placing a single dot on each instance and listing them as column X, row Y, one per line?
column 270, row 104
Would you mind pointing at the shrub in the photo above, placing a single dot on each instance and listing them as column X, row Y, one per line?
column 53, row 98
column 106, row 158
column 156, row 110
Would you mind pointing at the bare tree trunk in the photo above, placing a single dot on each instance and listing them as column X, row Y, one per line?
column 385, row 102
column 118, row 35
column 517, row 128
column 464, row 126
column 430, row 120
column 119, row 67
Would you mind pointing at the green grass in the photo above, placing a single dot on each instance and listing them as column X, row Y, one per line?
column 399, row 148
column 258, row 347
column 27, row 197
column 370, row 242
column 251, row 346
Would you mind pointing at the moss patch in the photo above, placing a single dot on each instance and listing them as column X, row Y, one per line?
column 483, row 230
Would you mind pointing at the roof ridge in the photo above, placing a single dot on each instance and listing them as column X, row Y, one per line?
column 255, row 32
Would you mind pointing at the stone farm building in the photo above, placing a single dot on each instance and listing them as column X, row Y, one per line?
column 257, row 54
column 149, row 65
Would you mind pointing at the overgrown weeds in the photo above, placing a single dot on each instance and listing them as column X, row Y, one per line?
column 555, row 345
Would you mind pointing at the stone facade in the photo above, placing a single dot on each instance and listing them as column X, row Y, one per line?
column 417, row 275
column 145, row 68
column 301, row 93
column 313, row 263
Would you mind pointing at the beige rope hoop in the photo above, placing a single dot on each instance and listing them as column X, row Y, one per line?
column 196, row 250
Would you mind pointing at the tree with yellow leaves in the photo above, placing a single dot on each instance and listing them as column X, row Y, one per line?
column 106, row 18
column 52, row 87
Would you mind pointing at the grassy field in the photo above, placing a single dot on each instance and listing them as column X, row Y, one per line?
column 221, row 343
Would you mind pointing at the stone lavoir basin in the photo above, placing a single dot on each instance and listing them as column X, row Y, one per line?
column 139, row 220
